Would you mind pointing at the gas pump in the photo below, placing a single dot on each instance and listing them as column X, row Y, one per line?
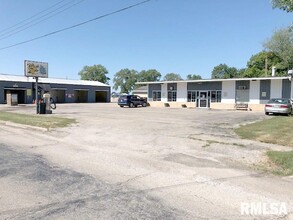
column 47, row 100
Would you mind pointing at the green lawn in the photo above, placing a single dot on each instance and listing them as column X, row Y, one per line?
column 276, row 130
column 283, row 162
column 44, row 121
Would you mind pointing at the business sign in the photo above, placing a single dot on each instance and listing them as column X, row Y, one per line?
column 35, row 69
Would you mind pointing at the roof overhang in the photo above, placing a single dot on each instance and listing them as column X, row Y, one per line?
column 14, row 78
column 214, row 80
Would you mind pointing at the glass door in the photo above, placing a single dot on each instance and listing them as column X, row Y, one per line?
column 203, row 101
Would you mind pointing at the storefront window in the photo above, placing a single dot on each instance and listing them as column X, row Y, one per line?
column 191, row 96
column 172, row 96
column 216, row 96
column 156, row 96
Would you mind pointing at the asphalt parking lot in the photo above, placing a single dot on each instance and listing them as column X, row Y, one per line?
column 136, row 163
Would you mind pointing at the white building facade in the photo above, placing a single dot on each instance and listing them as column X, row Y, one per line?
column 219, row 93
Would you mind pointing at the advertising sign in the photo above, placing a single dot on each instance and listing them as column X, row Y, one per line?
column 35, row 69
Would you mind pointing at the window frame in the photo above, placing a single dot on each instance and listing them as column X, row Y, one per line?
column 218, row 96
column 157, row 92
column 193, row 95
column 173, row 97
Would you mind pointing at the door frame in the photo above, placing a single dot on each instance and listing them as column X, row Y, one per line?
column 203, row 98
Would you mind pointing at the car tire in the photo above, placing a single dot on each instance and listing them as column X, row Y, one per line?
column 144, row 104
column 266, row 113
column 131, row 105
column 121, row 106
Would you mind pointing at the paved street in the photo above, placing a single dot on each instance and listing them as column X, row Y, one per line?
column 138, row 163
column 33, row 188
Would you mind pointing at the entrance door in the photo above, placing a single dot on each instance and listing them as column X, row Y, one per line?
column 203, row 101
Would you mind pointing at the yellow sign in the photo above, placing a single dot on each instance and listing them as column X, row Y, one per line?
column 35, row 69
column 29, row 92
column 32, row 69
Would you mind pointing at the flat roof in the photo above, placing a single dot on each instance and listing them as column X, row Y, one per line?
column 141, row 89
column 17, row 78
column 214, row 80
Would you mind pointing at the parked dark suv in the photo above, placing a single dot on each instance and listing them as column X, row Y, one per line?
column 131, row 101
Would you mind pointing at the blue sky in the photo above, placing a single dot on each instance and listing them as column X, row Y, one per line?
column 180, row 36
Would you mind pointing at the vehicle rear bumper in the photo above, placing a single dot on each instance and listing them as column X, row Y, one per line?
column 123, row 103
column 278, row 110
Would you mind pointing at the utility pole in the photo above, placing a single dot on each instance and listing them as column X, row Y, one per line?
column 266, row 64
column 37, row 98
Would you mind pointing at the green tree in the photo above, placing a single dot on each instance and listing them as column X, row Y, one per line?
column 223, row 71
column 172, row 77
column 149, row 75
column 94, row 73
column 193, row 77
column 261, row 64
column 286, row 5
column 253, row 72
column 281, row 43
column 241, row 72
column 125, row 80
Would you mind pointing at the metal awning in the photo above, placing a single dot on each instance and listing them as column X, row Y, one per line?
column 15, row 88
column 44, row 87
column 81, row 89
column 54, row 88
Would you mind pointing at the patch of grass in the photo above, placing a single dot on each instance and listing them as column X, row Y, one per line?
column 277, row 130
column 283, row 162
column 238, row 145
column 36, row 120
column 209, row 142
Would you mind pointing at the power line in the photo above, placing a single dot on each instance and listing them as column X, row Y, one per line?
column 3, row 30
column 36, row 21
column 77, row 25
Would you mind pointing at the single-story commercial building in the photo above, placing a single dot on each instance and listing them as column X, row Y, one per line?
column 61, row 90
column 141, row 91
column 219, row 93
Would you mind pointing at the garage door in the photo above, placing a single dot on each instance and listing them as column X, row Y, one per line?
column 81, row 96
column 101, row 96
column 21, row 95
column 58, row 95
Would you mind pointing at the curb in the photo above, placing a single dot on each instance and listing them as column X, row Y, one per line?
column 22, row 126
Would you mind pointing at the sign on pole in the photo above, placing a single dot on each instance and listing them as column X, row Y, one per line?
column 35, row 69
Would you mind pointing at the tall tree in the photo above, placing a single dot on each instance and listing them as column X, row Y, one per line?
column 223, row 71
column 149, row 75
column 261, row 64
column 125, row 80
column 193, row 77
column 94, row 73
column 172, row 77
column 286, row 5
column 281, row 43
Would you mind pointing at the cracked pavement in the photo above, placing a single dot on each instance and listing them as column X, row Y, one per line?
column 138, row 163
